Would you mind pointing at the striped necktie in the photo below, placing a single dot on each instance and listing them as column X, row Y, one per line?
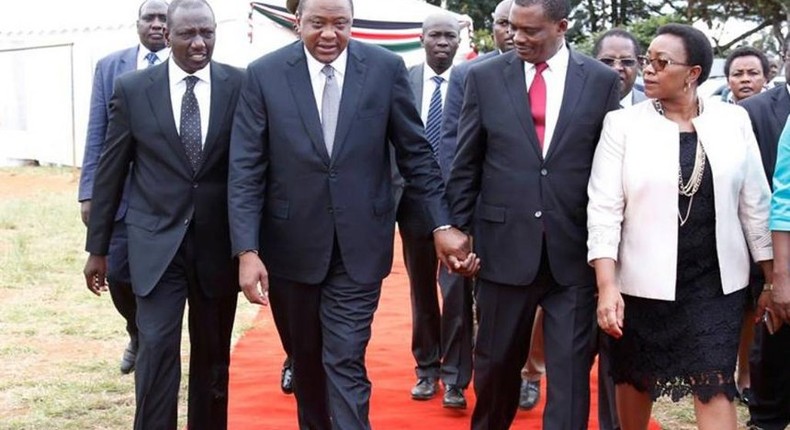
column 151, row 58
column 433, row 125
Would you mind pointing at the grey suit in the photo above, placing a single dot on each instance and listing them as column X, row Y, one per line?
column 528, row 214
column 179, row 242
column 324, row 224
column 441, row 339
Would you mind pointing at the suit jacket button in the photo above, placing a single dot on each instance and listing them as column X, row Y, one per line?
column 186, row 221
column 195, row 185
column 544, row 172
column 538, row 214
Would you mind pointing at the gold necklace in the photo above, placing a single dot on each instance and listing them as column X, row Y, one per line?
column 690, row 188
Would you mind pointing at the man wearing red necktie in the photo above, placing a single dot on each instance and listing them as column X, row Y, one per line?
column 529, row 127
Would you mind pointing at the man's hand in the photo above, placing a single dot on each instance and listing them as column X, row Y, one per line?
column 454, row 250
column 95, row 272
column 780, row 297
column 611, row 310
column 85, row 211
column 252, row 272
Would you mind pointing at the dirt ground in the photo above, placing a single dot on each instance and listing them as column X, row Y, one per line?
column 18, row 182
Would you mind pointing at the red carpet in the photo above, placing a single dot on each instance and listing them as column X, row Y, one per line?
column 256, row 401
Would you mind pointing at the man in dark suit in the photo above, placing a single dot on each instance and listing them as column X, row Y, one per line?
column 171, row 123
column 441, row 339
column 151, row 50
column 528, row 130
column 310, row 195
column 769, row 406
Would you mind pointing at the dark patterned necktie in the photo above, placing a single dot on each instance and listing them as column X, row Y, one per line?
column 151, row 58
column 433, row 124
column 190, row 123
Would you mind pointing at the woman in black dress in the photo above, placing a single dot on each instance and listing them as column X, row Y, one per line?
column 677, row 199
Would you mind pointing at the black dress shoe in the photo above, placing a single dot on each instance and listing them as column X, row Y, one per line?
column 745, row 396
column 287, row 377
column 530, row 395
column 453, row 397
column 129, row 357
column 425, row 389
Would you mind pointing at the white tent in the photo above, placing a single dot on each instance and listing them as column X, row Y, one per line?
column 49, row 48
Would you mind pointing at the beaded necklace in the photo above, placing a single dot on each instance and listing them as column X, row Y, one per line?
column 695, row 180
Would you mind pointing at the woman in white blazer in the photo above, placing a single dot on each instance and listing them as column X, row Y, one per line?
column 678, row 198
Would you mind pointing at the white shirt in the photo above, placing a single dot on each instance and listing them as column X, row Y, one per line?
column 429, row 86
column 178, row 87
column 554, row 76
column 142, row 51
column 628, row 100
column 318, row 79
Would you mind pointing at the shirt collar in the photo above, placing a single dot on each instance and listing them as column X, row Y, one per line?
column 162, row 54
column 558, row 61
column 176, row 74
column 314, row 66
column 628, row 100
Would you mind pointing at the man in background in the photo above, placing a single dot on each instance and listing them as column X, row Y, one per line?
column 151, row 24
column 441, row 339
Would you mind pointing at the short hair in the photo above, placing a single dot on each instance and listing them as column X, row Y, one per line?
column 140, row 9
column 556, row 10
column 300, row 6
column 746, row 51
column 616, row 32
column 188, row 4
column 697, row 46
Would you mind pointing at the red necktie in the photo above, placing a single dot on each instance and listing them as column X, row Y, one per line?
column 537, row 101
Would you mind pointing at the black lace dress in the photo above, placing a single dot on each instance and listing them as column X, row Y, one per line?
column 686, row 346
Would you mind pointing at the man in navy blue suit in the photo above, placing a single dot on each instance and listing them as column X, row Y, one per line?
column 311, row 202
column 152, row 49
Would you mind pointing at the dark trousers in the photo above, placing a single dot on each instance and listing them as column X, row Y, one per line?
column 158, row 368
column 119, row 279
column 607, row 406
column 503, row 338
column 769, row 370
column 441, row 339
column 329, row 325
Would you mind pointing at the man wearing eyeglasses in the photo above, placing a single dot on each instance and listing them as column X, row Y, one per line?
column 619, row 50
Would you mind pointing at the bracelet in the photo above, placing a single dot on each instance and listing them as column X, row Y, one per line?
column 442, row 228
column 254, row 251
column 768, row 287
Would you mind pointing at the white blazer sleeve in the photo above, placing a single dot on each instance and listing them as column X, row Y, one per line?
column 754, row 204
column 605, row 190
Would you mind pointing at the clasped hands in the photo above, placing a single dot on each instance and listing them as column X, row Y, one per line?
column 454, row 250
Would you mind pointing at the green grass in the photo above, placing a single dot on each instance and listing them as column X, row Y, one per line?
column 60, row 345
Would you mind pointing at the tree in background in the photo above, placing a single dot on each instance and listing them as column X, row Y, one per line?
column 767, row 18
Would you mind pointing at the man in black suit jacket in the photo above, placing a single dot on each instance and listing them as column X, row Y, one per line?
column 172, row 123
column 310, row 195
column 519, row 182
column 769, row 406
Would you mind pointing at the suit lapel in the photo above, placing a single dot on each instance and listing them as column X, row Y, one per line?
column 158, row 93
column 516, row 86
column 415, row 75
column 781, row 107
column 219, row 110
column 353, row 82
column 574, row 84
column 302, row 91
